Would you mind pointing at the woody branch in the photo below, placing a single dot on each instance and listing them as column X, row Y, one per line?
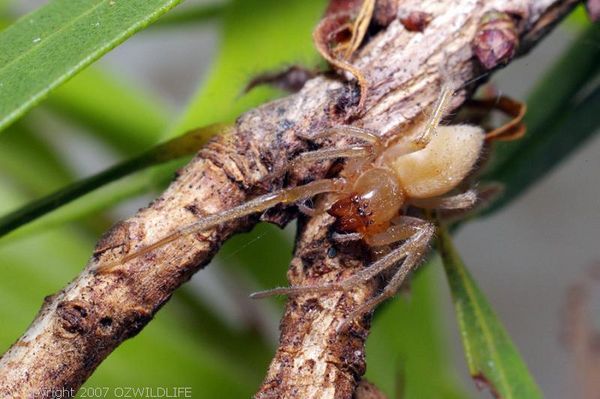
column 79, row 326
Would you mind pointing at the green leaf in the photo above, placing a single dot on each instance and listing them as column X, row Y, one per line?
column 47, row 47
column 83, row 207
column 491, row 356
column 187, row 144
column 239, row 32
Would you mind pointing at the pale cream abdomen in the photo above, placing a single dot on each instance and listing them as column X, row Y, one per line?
column 442, row 164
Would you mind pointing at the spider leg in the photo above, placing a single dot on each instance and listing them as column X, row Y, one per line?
column 436, row 117
column 286, row 196
column 365, row 135
column 423, row 234
column 306, row 209
column 347, row 237
column 460, row 201
column 258, row 204
column 351, row 131
column 332, row 153
column 397, row 232
column 432, row 124
column 321, row 207
column 415, row 254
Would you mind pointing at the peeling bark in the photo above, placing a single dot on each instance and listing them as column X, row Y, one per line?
column 79, row 326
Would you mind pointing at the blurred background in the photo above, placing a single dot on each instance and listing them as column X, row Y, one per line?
column 210, row 336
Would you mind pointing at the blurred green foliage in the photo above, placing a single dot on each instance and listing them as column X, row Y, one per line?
column 191, row 343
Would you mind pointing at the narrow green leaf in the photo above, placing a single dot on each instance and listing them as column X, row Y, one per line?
column 44, row 173
column 47, row 47
column 83, row 208
column 492, row 358
column 178, row 147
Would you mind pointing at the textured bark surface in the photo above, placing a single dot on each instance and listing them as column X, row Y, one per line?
column 79, row 326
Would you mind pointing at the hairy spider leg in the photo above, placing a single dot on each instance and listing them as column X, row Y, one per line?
column 346, row 237
column 402, row 227
column 396, row 232
column 460, row 201
column 349, row 152
column 264, row 202
column 360, row 133
column 306, row 210
column 415, row 251
column 357, row 151
column 258, row 204
column 439, row 110
column 379, row 266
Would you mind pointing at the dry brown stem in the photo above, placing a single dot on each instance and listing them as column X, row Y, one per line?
column 79, row 326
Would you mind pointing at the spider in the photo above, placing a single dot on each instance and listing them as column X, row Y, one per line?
column 372, row 193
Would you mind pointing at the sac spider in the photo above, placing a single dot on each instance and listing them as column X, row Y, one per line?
column 372, row 193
